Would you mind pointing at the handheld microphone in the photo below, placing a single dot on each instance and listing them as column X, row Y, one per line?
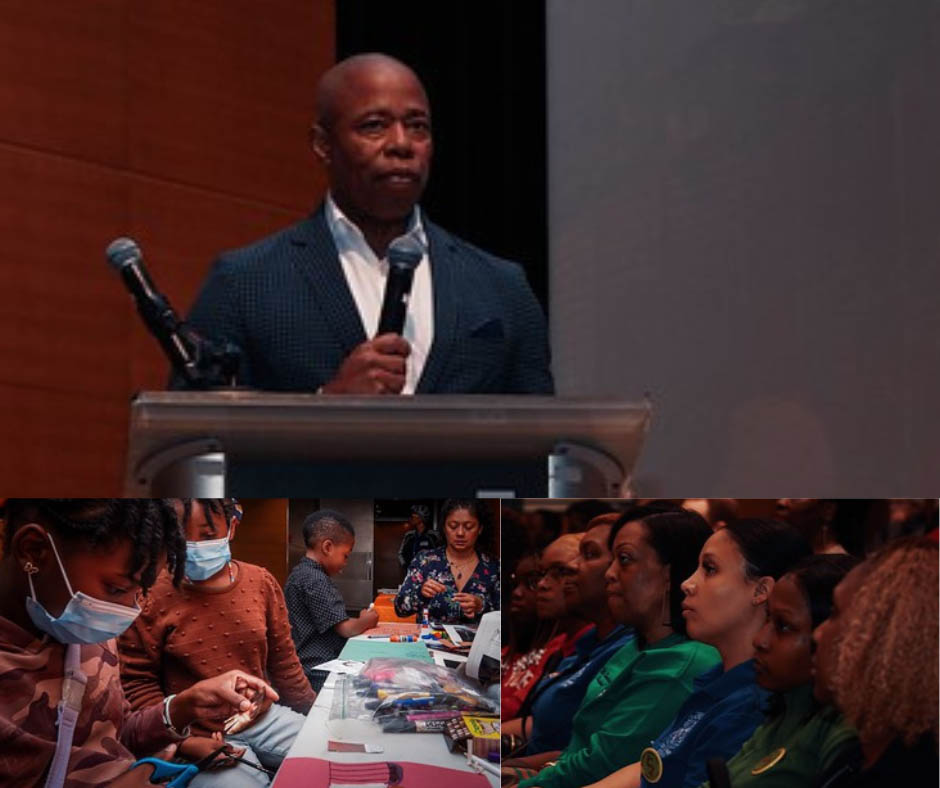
column 124, row 256
column 404, row 254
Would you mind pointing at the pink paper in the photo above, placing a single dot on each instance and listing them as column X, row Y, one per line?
column 320, row 773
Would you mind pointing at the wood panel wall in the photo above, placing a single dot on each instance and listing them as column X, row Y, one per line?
column 261, row 537
column 182, row 125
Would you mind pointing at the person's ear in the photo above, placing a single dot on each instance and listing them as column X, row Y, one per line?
column 320, row 143
column 326, row 546
column 762, row 589
column 30, row 547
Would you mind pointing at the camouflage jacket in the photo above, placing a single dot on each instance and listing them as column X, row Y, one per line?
column 107, row 733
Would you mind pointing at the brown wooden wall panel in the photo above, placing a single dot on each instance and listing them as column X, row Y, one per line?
column 181, row 231
column 63, row 324
column 241, row 127
column 180, row 124
column 64, row 443
column 63, row 85
column 262, row 536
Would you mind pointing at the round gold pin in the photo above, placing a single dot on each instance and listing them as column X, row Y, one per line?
column 651, row 765
column 769, row 761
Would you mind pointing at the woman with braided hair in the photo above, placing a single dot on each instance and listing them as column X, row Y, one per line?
column 225, row 614
column 71, row 576
column 876, row 658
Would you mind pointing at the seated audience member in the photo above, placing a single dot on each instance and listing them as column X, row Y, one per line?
column 544, row 526
column 877, row 658
column 845, row 525
column 801, row 742
column 544, row 721
column 550, row 606
column 718, row 512
column 580, row 514
column 725, row 606
column 911, row 516
column 814, row 517
column 640, row 688
column 318, row 620
column 224, row 614
column 70, row 580
column 526, row 635
column 456, row 583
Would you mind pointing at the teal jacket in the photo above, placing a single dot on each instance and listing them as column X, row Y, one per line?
column 629, row 702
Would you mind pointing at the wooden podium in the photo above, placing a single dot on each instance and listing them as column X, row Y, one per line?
column 262, row 444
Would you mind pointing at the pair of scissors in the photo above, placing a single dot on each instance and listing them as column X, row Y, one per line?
column 241, row 759
column 178, row 774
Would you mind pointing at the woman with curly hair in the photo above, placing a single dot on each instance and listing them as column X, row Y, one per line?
column 877, row 658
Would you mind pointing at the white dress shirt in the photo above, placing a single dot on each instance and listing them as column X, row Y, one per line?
column 366, row 276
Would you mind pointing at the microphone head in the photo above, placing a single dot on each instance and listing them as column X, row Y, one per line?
column 121, row 252
column 405, row 252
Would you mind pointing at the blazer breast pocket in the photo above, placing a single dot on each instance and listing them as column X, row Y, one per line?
column 485, row 353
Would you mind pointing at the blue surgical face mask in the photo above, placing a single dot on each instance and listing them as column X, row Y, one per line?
column 85, row 619
column 204, row 559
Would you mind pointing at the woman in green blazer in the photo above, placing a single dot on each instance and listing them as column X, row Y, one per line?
column 640, row 689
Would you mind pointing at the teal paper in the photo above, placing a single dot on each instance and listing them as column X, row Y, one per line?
column 364, row 650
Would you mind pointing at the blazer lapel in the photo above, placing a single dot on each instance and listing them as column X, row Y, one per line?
column 317, row 260
column 446, row 266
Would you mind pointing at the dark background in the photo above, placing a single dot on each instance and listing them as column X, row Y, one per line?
column 483, row 66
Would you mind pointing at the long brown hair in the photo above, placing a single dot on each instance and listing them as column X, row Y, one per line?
column 886, row 676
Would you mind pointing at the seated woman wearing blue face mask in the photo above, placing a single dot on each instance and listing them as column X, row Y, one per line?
column 70, row 579
column 226, row 613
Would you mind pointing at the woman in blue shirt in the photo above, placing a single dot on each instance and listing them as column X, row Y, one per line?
column 725, row 606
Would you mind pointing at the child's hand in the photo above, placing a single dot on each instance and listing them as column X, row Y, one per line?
column 213, row 700
column 369, row 618
column 195, row 748
column 260, row 702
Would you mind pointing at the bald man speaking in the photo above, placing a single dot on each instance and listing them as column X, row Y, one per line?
column 304, row 304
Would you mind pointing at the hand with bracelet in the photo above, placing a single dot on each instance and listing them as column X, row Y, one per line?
column 212, row 701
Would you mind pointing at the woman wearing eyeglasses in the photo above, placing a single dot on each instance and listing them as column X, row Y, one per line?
column 456, row 583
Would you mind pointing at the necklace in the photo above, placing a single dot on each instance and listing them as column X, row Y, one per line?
column 457, row 565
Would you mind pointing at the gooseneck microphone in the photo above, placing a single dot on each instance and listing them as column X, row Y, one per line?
column 125, row 257
column 404, row 255
column 198, row 361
